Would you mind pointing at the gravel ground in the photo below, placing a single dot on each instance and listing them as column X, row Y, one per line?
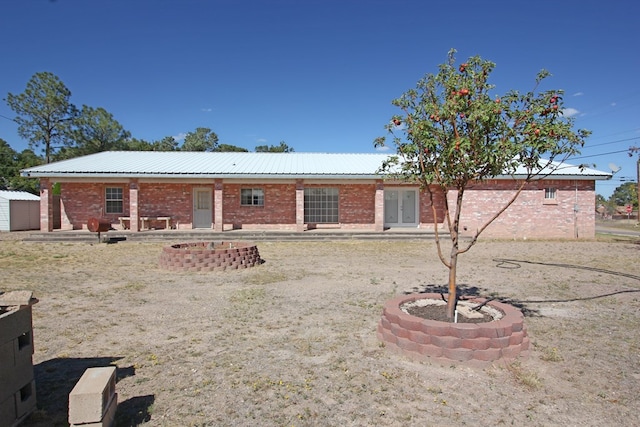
column 292, row 342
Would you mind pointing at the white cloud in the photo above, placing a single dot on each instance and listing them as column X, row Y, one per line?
column 261, row 140
column 180, row 137
column 578, row 94
column 383, row 148
column 613, row 104
column 206, row 110
column 570, row 112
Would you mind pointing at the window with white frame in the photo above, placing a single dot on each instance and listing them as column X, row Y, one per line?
column 321, row 205
column 113, row 200
column 549, row 193
column 252, row 197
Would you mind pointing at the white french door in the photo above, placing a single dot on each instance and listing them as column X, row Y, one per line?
column 401, row 207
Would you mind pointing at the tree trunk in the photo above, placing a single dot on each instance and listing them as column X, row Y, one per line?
column 453, row 291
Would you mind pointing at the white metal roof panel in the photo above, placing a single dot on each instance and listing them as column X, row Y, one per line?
column 218, row 164
column 557, row 169
column 18, row 195
column 186, row 164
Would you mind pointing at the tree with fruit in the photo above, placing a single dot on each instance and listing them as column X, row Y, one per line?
column 454, row 132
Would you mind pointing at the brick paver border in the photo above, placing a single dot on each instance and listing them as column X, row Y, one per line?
column 473, row 344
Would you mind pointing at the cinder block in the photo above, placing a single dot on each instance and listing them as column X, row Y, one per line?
column 92, row 395
column 16, row 352
column 23, row 347
column 7, row 358
column 25, row 399
column 7, row 412
column 14, row 323
column 14, row 377
column 108, row 418
column 17, row 406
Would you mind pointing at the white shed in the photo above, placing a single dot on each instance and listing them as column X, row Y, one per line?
column 19, row 210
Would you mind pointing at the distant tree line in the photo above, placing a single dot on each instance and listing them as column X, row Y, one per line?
column 624, row 195
column 59, row 130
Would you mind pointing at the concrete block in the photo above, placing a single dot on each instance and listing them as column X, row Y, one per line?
column 25, row 399
column 7, row 412
column 91, row 396
column 108, row 418
column 23, row 348
column 12, row 378
column 17, row 298
column 14, row 323
column 7, row 356
column 18, row 406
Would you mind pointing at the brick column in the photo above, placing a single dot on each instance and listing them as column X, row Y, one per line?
column 379, row 206
column 299, row 205
column 217, row 205
column 133, row 205
column 46, row 205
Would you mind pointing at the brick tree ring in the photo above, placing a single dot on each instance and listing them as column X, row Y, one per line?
column 209, row 256
column 502, row 340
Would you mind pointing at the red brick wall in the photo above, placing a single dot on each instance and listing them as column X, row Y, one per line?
column 164, row 199
column 426, row 206
column 357, row 203
column 82, row 201
column 279, row 205
column 530, row 216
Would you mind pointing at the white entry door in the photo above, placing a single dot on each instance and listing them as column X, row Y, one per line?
column 202, row 208
column 400, row 207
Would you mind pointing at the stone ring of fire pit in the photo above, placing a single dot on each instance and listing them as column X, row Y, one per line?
column 209, row 256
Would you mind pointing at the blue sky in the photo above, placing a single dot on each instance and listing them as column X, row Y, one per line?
column 319, row 74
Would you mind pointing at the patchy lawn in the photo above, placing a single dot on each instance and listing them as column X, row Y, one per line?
column 292, row 342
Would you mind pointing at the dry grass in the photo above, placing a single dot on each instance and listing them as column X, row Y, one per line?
column 292, row 342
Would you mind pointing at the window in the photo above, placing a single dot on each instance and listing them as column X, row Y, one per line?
column 549, row 193
column 321, row 205
column 550, row 196
column 252, row 197
column 113, row 200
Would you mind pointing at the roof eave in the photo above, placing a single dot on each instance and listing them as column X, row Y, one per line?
column 559, row 177
column 196, row 175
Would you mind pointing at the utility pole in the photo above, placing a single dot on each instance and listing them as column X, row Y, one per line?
column 633, row 150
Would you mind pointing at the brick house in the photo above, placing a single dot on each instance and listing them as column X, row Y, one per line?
column 296, row 192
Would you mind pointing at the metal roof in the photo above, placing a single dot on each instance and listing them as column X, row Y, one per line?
column 18, row 195
column 215, row 165
column 189, row 164
column 566, row 171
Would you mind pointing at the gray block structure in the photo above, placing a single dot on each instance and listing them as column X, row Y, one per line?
column 17, row 384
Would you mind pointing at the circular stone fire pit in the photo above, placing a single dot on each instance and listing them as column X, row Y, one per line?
column 209, row 256
column 476, row 344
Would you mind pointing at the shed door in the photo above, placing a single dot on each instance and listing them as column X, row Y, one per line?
column 202, row 208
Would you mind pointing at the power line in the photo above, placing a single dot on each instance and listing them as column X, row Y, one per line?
column 5, row 117
column 615, row 142
column 598, row 155
column 611, row 135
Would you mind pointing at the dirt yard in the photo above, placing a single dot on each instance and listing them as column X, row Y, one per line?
column 292, row 342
